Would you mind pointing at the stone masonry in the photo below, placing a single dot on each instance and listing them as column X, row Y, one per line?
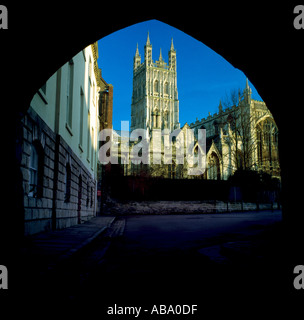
column 50, row 208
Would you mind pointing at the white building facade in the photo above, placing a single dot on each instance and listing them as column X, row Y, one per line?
column 59, row 153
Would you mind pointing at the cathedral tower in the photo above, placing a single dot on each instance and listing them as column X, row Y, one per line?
column 155, row 98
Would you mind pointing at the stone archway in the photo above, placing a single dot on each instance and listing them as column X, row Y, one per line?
column 175, row 23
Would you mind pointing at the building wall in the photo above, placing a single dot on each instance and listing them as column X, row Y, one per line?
column 219, row 130
column 59, row 150
column 52, row 106
column 105, row 118
column 106, row 106
column 38, row 210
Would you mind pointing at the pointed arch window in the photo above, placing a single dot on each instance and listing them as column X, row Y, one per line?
column 267, row 143
column 214, row 172
column 166, row 88
column 156, row 86
column 156, row 118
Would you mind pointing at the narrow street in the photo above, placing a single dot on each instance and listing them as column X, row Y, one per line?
column 201, row 259
column 178, row 256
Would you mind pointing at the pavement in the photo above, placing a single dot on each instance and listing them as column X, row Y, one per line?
column 47, row 250
column 44, row 252
column 53, row 278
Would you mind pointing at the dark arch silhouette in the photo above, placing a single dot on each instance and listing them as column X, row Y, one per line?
column 258, row 40
column 226, row 30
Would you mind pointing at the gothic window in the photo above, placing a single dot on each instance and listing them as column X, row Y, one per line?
column 166, row 88
column 267, row 142
column 156, row 118
column 156, row 86
column 214, row 172
column 275, row 135
column 166, row 117
column 267, row 133
column 196, row 151
column 259, row 133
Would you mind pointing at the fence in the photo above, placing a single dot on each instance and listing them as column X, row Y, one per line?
column 223, row 193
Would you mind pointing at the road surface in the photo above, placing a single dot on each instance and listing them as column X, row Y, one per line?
column 222, row 263
column 203, row 259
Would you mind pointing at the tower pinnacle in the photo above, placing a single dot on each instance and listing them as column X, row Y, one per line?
column 172, row 56
column 137, row 52
column 247, row 92
column 172, row 46
column 137, row 59
column 148, row 51
column 160, row 56
column 148, row 40
column 155, row 101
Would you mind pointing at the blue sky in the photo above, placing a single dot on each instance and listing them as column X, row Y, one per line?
column 203, row 76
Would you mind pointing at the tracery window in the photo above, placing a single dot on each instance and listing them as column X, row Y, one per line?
column 267, row 143
column 156, row 86
column 166, row 88
column 214, row 172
